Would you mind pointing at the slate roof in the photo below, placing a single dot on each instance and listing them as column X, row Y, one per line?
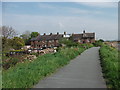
column 47, row 37
column 82, row 36
column 77, row 36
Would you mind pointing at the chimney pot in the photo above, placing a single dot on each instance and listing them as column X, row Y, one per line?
column 50, row 33
column 64, row 33
column 84, row 31
column 44, row 33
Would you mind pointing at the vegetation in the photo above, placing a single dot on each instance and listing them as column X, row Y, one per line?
column 109, row 63
column 26, row 36
column 17, row 43
column 11, row 61
column 98, row 43
column 34, row 34
column 10, row 40
column 67, row 42
column 70, row 43
column 25, row 75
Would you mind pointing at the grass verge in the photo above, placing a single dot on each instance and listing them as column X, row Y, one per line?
column 109, row 63
column 27, row 74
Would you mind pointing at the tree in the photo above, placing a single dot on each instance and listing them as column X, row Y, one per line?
column 101, row 40
column 26, row 36
column 17, row 43
column 8, row 32
column 34, row 34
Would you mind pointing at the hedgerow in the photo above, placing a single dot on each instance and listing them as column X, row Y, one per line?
column 109, row 63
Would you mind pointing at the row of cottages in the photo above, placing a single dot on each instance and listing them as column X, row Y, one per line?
column 52, row 40
column 84, row 37
column 47, row 41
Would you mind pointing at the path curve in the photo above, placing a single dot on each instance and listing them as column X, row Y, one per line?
column 82, row 72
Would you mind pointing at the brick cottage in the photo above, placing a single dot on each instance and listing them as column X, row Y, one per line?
column 52, row 40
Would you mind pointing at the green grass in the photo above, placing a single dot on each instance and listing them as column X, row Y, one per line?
column 25, row 75
column 109, row 62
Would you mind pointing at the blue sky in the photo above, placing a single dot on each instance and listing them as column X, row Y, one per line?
column 72, row 17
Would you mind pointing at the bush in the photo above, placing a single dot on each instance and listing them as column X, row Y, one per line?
column 68, row 43
column 87, row 45
column 109, row 60
column 10, row 62
column 98, row 43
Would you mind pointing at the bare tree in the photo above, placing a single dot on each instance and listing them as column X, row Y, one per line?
column 8, row 32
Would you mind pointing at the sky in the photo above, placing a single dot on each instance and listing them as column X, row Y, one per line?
column 72, row 17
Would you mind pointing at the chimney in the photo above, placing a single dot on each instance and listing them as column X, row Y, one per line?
column 57, row 33
column 64, row 33
column 44, row 33
column 84, row 31
column 50, row 33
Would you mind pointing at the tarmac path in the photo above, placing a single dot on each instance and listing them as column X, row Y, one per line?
column 82, row 72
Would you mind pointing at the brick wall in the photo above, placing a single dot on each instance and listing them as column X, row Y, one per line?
column 40, row 44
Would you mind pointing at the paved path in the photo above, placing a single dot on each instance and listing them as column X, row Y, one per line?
column 82, row 72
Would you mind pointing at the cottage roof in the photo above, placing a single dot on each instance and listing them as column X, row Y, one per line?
column 88, row 35
column 47, row 37
column 81, row 36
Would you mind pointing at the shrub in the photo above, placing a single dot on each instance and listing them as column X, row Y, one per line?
column 98, row 43
column 68, row 43
column 10, row 62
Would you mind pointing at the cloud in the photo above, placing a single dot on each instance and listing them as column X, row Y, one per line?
column 82, row 11
column 70, row 10
column 101, row 4
column 61, row 25
column 70, row 24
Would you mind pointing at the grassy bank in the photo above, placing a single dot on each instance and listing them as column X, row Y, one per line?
column 25, row 75
column 109, row 62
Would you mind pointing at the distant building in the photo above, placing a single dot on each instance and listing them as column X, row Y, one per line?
column 46, row 41
column 84, row 37
column 52, row 40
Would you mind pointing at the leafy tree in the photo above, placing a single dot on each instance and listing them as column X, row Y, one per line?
column 26, row 36
column 34, row 34
column 17, row 43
